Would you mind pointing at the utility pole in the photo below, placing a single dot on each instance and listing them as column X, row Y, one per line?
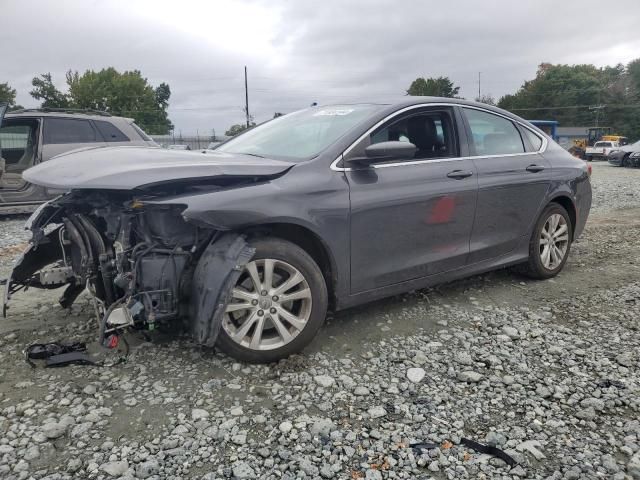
column 246, row 97
column 479, row 73
column 597, row 108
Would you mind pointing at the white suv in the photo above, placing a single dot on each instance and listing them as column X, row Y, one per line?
column 29, row 137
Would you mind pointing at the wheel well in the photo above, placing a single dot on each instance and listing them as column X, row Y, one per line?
column 309, row 242
column 568, row 205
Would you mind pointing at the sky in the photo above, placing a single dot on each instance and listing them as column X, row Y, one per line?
column 300, row 51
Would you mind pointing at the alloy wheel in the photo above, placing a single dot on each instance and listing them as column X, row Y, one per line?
column 554, row 241
column 271, row 304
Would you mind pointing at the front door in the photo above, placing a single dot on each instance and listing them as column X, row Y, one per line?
column 513, row 180
column 19, row 150
column 411, row 218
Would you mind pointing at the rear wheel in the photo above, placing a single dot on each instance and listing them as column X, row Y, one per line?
column 550, row 243
column 278, row 304
column 589, row 158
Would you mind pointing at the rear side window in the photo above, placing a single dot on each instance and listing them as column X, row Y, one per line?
column 110, row 132
column 493, row 135
column 140, row 132
column 534, row 140
column 69, row 130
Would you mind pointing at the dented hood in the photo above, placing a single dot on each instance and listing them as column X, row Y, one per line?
column 127, row 168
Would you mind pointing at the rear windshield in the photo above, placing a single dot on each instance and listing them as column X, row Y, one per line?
column 300, row 135
column 603, row 144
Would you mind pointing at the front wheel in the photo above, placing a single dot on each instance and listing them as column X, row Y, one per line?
column 625, row 161
column 277, row 305
column 550, row 243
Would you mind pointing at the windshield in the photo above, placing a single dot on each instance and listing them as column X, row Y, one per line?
column 603, row 144
column 300, row 135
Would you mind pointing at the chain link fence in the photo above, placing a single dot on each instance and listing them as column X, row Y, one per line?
column 194, row 142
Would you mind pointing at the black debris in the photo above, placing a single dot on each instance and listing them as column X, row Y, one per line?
column 496, row 452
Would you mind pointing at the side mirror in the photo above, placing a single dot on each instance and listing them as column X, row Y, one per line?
column 384, row 151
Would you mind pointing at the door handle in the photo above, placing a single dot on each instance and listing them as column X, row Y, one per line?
column 535, row 168
column 459, row 174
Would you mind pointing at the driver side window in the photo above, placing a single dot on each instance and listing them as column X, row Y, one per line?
column 432, row 132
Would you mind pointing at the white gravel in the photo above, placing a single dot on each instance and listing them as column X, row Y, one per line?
column 614, row 188
column 12, row 230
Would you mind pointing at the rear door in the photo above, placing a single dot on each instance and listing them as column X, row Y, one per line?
column 64, row 134
column 513, row 179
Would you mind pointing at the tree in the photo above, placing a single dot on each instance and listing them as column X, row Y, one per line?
column 45, row 90
column 569, row 93
column 633, row 72
column 238, row 128
column 128, row 94
column 433, row 87
column 7, row 94
column 486, row 98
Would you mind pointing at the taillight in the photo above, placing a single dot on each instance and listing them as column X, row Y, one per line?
column 589, row 169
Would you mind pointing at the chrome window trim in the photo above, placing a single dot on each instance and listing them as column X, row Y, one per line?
column 334, row 164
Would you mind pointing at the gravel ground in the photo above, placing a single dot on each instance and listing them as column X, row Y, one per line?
column 614, row 188
column 546, row 371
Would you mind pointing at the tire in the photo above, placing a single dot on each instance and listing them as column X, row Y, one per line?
column 589, row 158
column 284, row 260
column 535, row 267
column 626, row 161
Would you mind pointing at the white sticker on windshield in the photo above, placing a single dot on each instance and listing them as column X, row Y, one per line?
column 333, row 113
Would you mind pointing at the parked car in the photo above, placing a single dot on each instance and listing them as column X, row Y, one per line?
column 600, row 150
column 625, row 156
column 178, row 147
column 327, row 207
column 33, row 136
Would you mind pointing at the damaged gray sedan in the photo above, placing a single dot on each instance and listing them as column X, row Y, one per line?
column 250, row 244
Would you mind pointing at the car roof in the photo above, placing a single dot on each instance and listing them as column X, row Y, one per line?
column 398, row 102
column 89, row 114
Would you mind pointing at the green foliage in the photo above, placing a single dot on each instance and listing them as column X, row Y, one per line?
column 126, row 94
column 45, row 90
column 569, row 93
column 433, row 87
column 238, row 128
column 7, row 94
column 486, row 98
column 633, row 75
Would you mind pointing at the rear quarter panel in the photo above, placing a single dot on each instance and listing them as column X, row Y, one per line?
column 570, row 178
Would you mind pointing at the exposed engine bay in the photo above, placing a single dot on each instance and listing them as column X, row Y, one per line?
column 142, row 263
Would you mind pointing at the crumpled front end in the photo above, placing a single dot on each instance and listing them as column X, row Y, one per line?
column 137, row 260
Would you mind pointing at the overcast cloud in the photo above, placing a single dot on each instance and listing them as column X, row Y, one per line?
column 298, row 52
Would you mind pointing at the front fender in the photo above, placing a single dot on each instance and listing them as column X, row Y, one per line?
column 215, row 275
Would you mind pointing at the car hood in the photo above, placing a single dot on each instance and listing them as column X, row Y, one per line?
column 127, row 168
column 630, row 148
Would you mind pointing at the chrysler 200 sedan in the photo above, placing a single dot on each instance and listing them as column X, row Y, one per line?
column 325, row 208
